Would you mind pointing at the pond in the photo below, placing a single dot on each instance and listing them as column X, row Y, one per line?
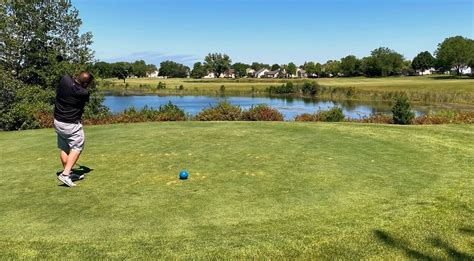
column 289, row 107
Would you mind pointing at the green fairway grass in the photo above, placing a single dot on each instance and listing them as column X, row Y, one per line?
column 256, row 190
column 424, row 88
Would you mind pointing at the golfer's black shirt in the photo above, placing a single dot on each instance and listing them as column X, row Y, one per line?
column 70, row 101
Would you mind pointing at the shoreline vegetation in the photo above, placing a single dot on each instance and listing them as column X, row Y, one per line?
column 262, row 112
column 424, row 89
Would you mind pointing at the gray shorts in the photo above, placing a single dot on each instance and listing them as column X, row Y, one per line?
column 70, row 136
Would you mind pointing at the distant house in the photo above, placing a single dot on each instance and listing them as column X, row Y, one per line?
column 426, row 72
column 272, row 74
column 228, row 74
column 465, row 70
column 300, row 73
column 153, row 74
column 250, row 71
column 261, row 73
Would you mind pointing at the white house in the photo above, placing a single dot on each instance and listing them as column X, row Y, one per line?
column 426, row 72
column 228, row 74
column 250, row 71
column 261, row 73
column 301, row 73
column 153, row 74
column 272, row 74
column 466, row 70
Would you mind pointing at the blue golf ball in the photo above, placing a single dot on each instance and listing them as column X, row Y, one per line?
column 183, row 174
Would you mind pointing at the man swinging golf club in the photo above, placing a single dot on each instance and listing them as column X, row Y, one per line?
column 71, row 97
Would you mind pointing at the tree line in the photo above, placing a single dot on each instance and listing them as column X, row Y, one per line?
column 453, row 53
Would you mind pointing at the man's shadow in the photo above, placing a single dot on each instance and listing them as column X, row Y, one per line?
column 77, row 172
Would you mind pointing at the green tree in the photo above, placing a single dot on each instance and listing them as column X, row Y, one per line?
column 240, row 69
column 423, row 61
column 121, row 70
column 139, row 68
column 198, row 71
column 310, row 68
column 402, row 113
column 332, row 67
column 173, row 69
column 150, row 68
column 217, row 63
column 275, row 67
column 40, row 41
column 103, row 69
column 455, row 52
column 350, row 66
column 382, row 62
column 291, row 69
column 258, row 66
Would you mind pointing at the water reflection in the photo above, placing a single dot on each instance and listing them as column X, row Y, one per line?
column 289, row 106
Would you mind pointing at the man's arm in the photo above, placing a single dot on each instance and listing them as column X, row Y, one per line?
column 80, row 92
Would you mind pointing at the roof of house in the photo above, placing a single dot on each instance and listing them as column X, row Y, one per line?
column 274, row 72
column 262, row 70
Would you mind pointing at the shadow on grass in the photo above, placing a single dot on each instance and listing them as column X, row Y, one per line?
column 450, row 251
column 82, row 170
column 453, row 77
column 396, row 243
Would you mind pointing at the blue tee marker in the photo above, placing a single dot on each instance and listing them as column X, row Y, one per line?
column 183, row 174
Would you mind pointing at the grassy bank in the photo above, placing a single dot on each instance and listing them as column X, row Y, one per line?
column 422, row 89
column 256, row 190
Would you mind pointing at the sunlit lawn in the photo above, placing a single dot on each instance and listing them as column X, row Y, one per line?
column 256, row 190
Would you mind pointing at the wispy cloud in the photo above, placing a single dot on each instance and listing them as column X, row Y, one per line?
column 154, row 58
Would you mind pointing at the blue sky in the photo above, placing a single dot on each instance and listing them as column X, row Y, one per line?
column 269, row 31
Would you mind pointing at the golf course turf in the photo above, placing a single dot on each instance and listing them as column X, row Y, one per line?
column 255, row 190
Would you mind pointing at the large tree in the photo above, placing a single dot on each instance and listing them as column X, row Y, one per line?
column 122, row 70
column 311, row 69
column 198, row 71
column 332, row 67
column 382, row 62
column 258, row 66
column 173, row 69
column 423, row 61
column 40, row 41
column 217, row 63
column 455, row 53
column 139, row 68
column 350, row 65
column 275, row 67
column 240, row 69
column 291, row 69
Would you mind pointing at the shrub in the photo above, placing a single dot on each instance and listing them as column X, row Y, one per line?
column 224, row 111
column 181, row 87
column 262, row 112
column 222, row 89
column 22, row 104
column 402, row 113
column 282, row 89
column 446, row 117
column 305, row 117
column 334, row 114
column 171, row 112
column 375, row 118
column 161, row 85
column 310, row 88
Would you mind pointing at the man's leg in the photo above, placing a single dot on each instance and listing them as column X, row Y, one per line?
column 71, row 160
column 63, row 155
